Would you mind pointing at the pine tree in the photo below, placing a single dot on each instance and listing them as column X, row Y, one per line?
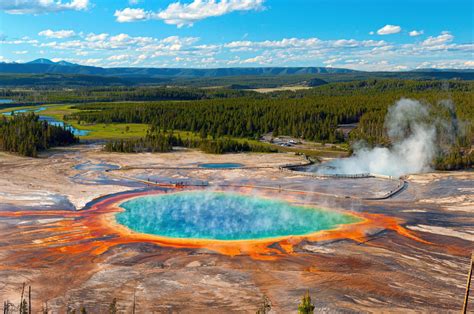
column 265, row 306
column 24, row 307
column 306, row 307
column 113, row 307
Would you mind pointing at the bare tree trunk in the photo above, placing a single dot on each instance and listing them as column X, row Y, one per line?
column 22, row 293
column 29, row 299
column 468, row 286
column 133, row 309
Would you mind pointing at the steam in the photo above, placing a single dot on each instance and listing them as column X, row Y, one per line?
column 414, row 145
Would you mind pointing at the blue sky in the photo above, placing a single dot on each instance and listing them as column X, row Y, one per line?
column 357, row 34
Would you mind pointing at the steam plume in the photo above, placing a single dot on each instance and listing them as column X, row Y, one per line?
column 413, row 147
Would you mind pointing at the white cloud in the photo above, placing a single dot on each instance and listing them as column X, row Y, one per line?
column 96, row 37
column 257, row 59
column 22, row 41
column 469, row 64
column 331, row 61
column 123, row 49
column 104, row 44
column 41, row 6
column 57, row 34
column 186, row 14
column 277, row 44
column 21, row 52
column 447, row 64
column 443, row 38
column 389, row 29
column 90, row 61
column 180, row 14
column 132, row 15
column 415, row 33
column 352, row 43
column 302, row 43
column 133, row 2
column 118, row 57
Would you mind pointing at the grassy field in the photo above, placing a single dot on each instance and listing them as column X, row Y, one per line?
column 58, row 111
column 281, row 88
column 111, row 131
column 96, row 131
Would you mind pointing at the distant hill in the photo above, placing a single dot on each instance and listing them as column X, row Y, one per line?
column 49, row 62
column 44, row 72
column 40, row 66
column 444, row 70
column 41, row 61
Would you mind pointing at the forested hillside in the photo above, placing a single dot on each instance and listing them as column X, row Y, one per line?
column 110, row 94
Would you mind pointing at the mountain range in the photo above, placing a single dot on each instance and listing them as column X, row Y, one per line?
column 47, row 66
column 46, row 72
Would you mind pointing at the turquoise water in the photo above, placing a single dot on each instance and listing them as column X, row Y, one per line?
column 221, row 165
column 224, row 216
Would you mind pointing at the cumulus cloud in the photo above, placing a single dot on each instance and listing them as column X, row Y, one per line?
column 119, row 57
column 257, row 59
column 447, row 64
column 180, row 14
column 389, row 29
column 96, row 37
column 132, row 15
column 283, row 43
column 415, row 33
column 57, row 34
column 443, row 38
column 174, row 51
column 304, row 43
column 469, row 64
column 130, row 47
column 186, row 14
column 41, row 6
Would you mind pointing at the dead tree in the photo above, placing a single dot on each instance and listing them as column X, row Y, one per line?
column 468, row 285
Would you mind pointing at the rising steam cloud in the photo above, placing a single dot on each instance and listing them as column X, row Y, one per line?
column 414, row 145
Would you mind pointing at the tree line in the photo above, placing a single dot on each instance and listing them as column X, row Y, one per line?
column 159, row 141
column 118, row 93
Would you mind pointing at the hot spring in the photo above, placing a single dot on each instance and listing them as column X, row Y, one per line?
column 224, row 216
